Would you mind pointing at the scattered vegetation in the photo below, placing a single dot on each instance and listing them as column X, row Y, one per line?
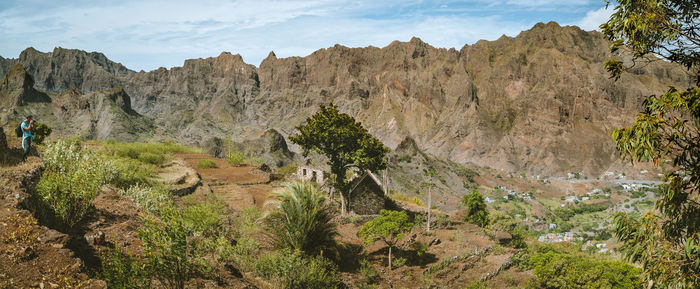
column 292, row 269
column 151, row 153
column 565, row 266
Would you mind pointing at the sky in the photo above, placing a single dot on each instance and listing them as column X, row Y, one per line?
column 146, row 35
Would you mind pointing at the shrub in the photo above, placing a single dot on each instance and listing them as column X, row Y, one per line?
column 499, row 221
column 398, row 263
column 172, row 248
column 476, row 209
column 151, row 199
column 71, row 180
column 129, row 172
column 255, row 161
column 369, row 274
column 151, row 158
column 206, row 164
column 302, row 220
column 40, row 131
column 562, row 270
column 286, row 170
column 420, row 248
column 419, row 220
column 205, row 218
column 122, row 270
column 442, row 220
column 295, row 270
column 235, row 158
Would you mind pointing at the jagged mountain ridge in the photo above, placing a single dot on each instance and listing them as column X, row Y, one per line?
column 540, row 102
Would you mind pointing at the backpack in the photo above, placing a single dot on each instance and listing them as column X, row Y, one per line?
column 18, row 130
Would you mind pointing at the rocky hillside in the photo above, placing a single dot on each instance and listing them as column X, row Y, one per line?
column 539, row 103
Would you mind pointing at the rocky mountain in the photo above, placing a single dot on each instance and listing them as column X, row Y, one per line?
column 539, row 102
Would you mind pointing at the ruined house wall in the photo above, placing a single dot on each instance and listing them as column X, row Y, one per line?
column 367, row 198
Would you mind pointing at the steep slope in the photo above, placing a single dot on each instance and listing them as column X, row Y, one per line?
column 540, row 102
column 17, row 88
column 100, row 114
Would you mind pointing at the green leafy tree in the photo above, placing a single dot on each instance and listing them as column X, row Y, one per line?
column 667, row 132
column 344, row 142
column 389, row 227
column 302, row 220
column 476, row 209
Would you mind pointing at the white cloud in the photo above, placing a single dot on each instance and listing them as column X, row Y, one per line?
column 595, row 18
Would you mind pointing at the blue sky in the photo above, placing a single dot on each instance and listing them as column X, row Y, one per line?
column 145, row 35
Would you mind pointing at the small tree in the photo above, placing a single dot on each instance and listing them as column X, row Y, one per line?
column 389, row 227
column 302, row 220
column 344, row 142
column 476, row 209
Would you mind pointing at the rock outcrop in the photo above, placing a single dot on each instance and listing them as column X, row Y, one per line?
column 17, row 88
column 539, row 103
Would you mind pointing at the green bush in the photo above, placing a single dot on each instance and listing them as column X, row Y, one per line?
column 129, row 173
column 71, row 180
column 281, row 173
column 205, row 218
column 420, row 248
column 151, row 158
column 302, row 220
column 565, row 266
column 295, row 270
column 255, row 161
column 173, row 249
column 398, row 263
column 206, row 164
column 476, row 209
column 235, row 158
column 122, row 270
column 151, row 199
column 368, row 273
column 499, row 221
column 40, row 132
column 555, row 270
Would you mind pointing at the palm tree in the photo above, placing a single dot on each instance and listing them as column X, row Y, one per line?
column 302, row 219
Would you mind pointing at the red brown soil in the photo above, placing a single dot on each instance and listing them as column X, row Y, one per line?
column 240, row 187
column 225, row 173
column 32, row 255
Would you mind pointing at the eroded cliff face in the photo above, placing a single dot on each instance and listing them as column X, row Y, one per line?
column 540, row 102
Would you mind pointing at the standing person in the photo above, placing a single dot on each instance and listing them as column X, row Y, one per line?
column 27, row 136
